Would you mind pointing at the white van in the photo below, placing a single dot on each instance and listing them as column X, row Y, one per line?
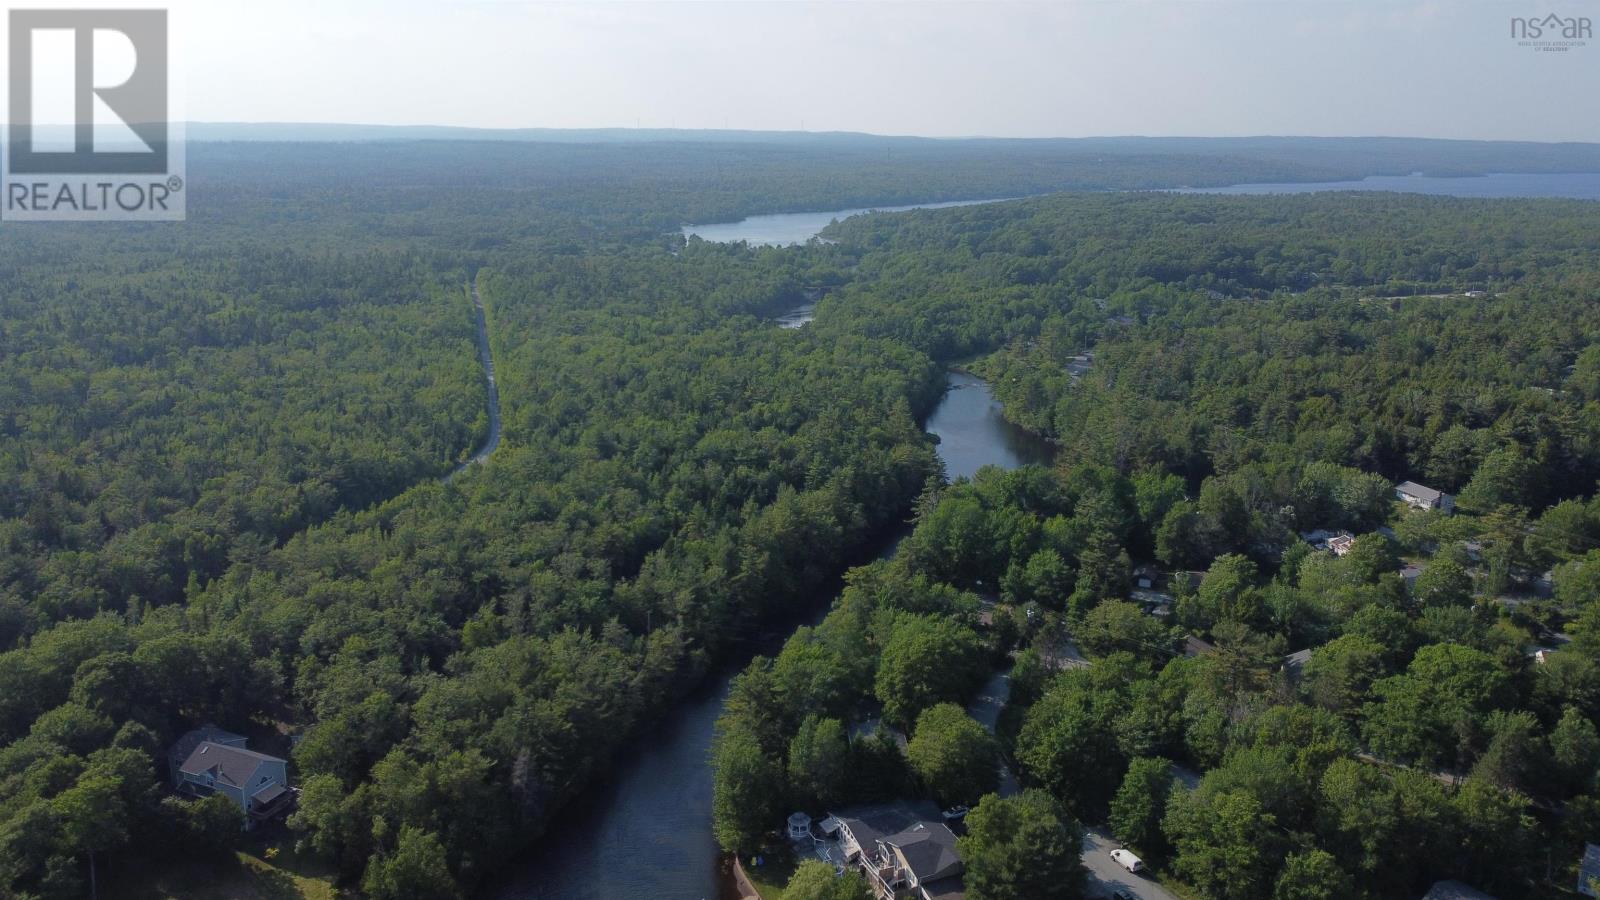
column 1127, row 860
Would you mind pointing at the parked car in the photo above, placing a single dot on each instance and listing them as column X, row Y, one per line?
column 1127, row 860
column 1122, row 894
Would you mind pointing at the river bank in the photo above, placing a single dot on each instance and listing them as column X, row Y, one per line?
column 646, row 830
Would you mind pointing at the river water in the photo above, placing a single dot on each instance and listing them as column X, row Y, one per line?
column 644, row 829
column 784, row 229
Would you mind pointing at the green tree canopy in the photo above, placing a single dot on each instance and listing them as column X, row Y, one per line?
column 1022, row 846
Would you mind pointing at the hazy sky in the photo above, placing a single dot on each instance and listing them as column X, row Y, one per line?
column 1067, row 68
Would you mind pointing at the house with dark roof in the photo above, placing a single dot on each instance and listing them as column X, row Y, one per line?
column 903, row 853
column 257, row 782
column 923, row 858
column 178, row 754
column 1421, row 497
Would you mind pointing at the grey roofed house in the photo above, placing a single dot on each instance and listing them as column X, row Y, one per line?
column 929, row 850
column 227, row 764
column 257, row 782
column 1295, row 663
column 904, row 850
column 1423, row 497
column 179, row 753
column 869, row 824
column 1147, row 576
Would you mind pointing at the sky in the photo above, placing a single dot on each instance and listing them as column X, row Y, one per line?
column 1066, row 68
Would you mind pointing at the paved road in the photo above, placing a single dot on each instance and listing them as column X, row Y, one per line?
column 985, row 708
column 1106, row 876
column 487, row 359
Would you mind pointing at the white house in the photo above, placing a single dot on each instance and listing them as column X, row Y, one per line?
column 1421, row 497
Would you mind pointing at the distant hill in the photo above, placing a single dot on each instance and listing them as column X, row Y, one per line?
column 1344, row 156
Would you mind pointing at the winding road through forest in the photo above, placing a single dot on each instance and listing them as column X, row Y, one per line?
column 487, row 358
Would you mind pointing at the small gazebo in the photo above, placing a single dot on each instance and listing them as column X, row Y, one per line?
column 799, row 826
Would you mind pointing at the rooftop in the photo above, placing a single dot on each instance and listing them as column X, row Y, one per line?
column 185, row 745
column 870, row 824
column 1418, row 491
column 929, row 849
column 231, row 765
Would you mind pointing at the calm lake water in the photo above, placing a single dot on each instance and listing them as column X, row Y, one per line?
column 1574, row 186
column 644, row 830
column 796, row 228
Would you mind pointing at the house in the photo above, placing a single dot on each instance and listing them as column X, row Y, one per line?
column 903, row 854
column 1295, row 663
column 1147, row 577
column 257, row 782
column 1193, row 646
column 1419, row 497
column 1341, row 543
column 179, row 753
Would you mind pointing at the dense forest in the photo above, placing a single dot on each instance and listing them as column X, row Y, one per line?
column 223, row 448
column 1221, row 377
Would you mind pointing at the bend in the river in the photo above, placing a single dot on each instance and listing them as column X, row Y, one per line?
column 644, row 830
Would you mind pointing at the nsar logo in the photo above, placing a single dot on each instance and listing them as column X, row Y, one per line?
column 1553, row 32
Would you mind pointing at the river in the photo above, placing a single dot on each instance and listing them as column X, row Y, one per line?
column 785, row 229
column 644, row 828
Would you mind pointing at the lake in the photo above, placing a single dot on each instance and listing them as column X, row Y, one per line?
column 1573, row 186
column 785, row 229
column 644, row 829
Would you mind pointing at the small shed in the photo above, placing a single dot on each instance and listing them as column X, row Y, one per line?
column 799, row 826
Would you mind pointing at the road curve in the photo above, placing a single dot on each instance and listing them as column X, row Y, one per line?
column 1107, row 876
column 487, row 358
